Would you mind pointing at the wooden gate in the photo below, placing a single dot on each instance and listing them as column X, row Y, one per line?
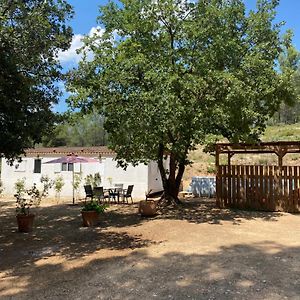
column 269, row 188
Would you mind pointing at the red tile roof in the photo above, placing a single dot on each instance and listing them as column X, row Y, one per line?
column 103, row 151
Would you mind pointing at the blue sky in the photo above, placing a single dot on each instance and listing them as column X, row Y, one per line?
column 86, row 13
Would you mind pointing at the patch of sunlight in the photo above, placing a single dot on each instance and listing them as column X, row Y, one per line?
column 13, row 285
column 269, row 247
column 217, row 275
column 245, row 283
column 184, row 282
column 142, row 265
column 214, row 272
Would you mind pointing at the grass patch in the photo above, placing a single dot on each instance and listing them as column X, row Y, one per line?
column 282, row 132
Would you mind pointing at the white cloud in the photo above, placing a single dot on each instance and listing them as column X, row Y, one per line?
column 70, row 56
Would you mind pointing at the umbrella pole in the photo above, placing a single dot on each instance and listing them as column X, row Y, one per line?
column 73, row 186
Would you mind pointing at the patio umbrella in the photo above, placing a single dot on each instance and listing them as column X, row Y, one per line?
column 72, row 159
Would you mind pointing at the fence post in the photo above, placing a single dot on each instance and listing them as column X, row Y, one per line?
column 218, row 187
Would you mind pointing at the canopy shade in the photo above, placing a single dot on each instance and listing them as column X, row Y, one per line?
column 72, row 159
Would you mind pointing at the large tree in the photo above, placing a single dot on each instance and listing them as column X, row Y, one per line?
column 31, row 34
column 168, row 73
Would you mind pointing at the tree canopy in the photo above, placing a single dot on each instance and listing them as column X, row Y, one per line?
column 167, row 74
column 31, row 34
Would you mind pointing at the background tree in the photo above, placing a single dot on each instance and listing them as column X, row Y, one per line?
column 86, row 130
column 289, row 60
column 168, row 73
column 31, row 34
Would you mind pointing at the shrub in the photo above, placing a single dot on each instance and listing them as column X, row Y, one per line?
column 58, row 185
column 94, row 206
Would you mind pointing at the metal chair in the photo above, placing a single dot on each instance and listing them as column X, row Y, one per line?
column 88, row 191
column 98, row 193
column 127, row 193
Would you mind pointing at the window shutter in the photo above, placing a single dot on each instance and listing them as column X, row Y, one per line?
column 37, row 166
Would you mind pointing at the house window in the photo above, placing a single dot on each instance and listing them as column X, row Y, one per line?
column 67, row 167
column 37, row 166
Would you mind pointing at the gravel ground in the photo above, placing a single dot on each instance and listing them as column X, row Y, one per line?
column 197, row 252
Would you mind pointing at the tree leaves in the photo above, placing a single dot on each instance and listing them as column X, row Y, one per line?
column 166, row 74
column 31, row 33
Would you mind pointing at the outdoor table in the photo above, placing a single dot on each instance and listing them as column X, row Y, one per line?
column 116, row 192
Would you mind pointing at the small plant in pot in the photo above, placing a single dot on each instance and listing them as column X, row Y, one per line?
column 25, row 199
column 91, row 212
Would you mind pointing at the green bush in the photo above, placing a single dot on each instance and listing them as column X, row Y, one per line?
column 93, row 180
column 211, row 169
column 94, row 206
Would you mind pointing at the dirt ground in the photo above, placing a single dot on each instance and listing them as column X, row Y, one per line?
column 197, row 252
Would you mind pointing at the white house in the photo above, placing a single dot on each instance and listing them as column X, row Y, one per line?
column 143, row 177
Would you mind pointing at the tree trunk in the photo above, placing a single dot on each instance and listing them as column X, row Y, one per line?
column 171, row 183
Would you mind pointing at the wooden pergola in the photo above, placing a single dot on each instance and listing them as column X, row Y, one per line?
column 258, row 187
column 278, row 148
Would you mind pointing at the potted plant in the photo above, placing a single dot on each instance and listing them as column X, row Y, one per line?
column 147, row 208
column 25, row 198
column 91, row 211
column 23, row 205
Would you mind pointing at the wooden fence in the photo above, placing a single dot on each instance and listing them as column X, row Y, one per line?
column 267, row 188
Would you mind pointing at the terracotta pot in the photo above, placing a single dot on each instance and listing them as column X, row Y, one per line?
column 90, row 218
column 25, row 222
column 147, row 208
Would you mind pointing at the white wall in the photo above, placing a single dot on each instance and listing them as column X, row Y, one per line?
column 138, row 176
column 154, row 178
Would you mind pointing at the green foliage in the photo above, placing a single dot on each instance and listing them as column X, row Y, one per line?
column 282, row 132
column 289, row 62
column 76, row 183
column 87, row 130
column 58, row 185
column 20, row 186
column 47, row 185
column 211, row 169
column 25, row 198
column 31, row 34
column 94, row 206
column 177, row 71
column 93, row 180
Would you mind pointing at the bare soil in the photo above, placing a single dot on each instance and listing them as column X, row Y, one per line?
column 195, row 252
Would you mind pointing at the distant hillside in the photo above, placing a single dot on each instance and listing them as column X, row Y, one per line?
column 282, row 132
column 204, row 164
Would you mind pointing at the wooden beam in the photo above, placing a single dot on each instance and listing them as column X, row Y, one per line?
column 217, row 155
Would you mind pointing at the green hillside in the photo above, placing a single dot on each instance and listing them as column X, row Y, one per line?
column 204, row 164
column 282, row 132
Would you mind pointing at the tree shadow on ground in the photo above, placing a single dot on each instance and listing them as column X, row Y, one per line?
column 58, row 230
column 204, row 210
column 193, row 210
column 265, row 270
column 61, row 225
